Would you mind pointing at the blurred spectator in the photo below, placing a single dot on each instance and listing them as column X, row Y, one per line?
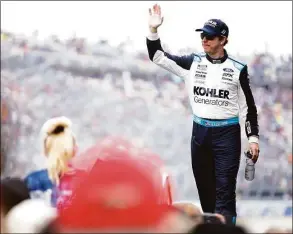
column 119, row 194
column 13, row 191
column 29, row 216
column 217, row 228
column 188, row 208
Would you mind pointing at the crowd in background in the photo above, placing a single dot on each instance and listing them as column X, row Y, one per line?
column 108, row 91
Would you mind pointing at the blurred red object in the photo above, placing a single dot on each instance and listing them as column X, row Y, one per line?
column 112, row 146
column 105, row 148
column 68, row 183
column 119, row 192
column 160, row 174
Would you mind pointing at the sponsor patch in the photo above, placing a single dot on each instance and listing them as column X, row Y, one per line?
column 207, row 92
column 228, row 70
column 202, row 67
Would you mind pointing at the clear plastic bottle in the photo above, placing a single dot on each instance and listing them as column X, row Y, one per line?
column 249, row 169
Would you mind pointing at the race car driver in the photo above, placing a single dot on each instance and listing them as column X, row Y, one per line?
column 219, row 90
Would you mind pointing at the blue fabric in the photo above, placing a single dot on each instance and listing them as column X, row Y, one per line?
column 215, row 123
column 215, row 163
column 234, row 220
column 215, row 27
column 40, row 181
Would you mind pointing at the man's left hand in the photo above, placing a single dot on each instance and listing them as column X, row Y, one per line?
column 254, row 150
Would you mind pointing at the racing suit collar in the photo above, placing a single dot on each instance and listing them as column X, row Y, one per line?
column 219, row 60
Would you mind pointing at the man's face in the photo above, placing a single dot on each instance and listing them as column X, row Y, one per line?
column 211, row 44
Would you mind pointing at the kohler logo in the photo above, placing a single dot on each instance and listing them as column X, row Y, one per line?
column 216, row 93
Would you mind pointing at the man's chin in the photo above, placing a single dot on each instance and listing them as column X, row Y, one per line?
column 206, row 50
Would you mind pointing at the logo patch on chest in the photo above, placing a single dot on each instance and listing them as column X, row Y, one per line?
column 228, row 77
column 228, row 70
column 215, row 93
column 202, row 67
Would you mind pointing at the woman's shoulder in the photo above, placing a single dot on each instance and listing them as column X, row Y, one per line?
column 38, row 180
column 37, row 174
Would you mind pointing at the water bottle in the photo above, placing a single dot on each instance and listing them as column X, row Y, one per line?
column 249, row 168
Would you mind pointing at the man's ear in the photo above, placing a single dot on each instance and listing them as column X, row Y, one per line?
column 224, row 41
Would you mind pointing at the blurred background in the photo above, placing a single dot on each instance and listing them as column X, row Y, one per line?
column 88, row 61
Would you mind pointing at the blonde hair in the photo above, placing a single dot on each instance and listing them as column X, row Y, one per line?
column 58, row 146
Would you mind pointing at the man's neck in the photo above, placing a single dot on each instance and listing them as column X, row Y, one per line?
column 217, row 55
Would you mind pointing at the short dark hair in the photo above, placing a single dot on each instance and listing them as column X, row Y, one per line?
column 208, row 228
column 224, row 38
column 226, row 41
column 13, row 191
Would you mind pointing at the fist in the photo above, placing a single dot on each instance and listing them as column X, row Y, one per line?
column 254, row 150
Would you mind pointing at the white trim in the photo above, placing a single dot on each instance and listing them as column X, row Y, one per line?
column 253, row 139
column 153, row 36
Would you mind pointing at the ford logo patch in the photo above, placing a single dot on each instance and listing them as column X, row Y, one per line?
column 228, row 70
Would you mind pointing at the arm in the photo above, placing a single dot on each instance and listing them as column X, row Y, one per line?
column 247, row 107
column 178, row 65
column 175, row 64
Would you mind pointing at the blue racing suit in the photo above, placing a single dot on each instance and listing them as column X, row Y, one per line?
column 219, row 91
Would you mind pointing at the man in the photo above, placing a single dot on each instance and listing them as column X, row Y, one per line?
column 218, row 87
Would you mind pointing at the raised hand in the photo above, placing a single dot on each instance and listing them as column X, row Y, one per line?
column 155, row 18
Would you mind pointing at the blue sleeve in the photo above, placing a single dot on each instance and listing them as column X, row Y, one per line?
column 38, row 181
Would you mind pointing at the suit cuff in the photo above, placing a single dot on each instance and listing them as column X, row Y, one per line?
column 253, row 139
column 153, row 36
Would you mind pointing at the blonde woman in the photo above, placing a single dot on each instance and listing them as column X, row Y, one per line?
column 59, row 147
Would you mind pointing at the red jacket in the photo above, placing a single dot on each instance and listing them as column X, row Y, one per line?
column 68, row 182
